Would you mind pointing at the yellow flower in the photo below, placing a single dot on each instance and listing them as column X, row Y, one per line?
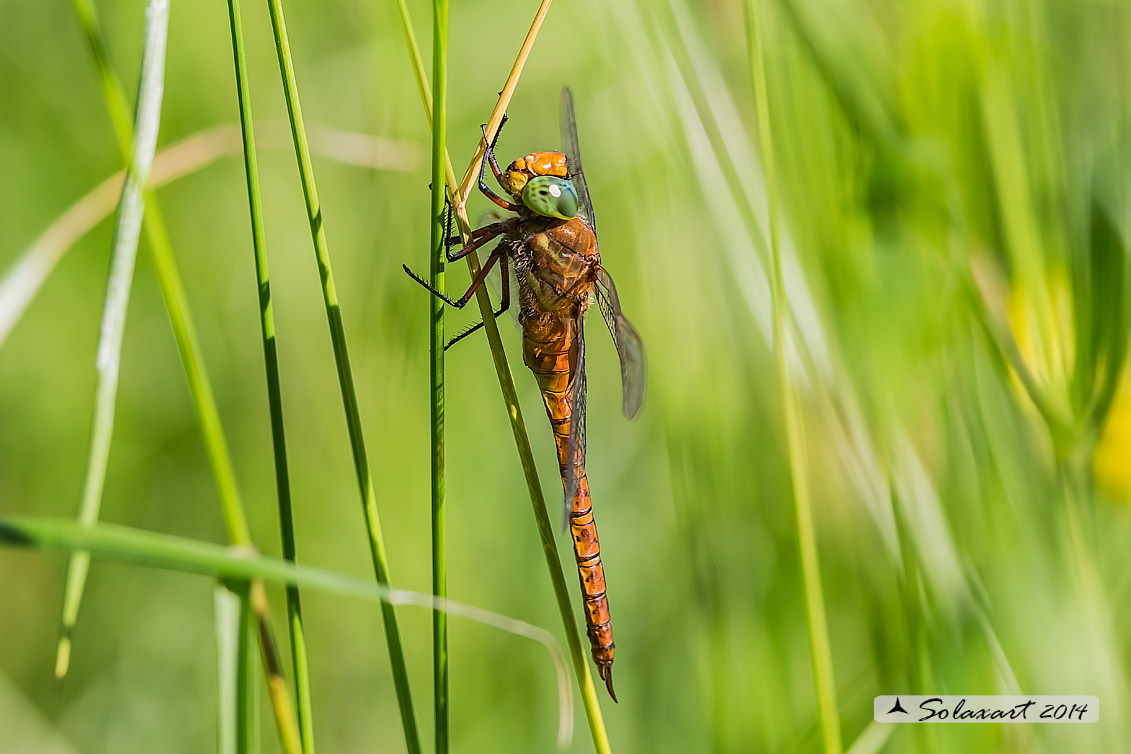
column 1111, row 461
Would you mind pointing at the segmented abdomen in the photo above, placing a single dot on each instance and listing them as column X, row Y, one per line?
column 546, row 350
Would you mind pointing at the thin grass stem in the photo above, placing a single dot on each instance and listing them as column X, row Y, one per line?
column 247, row 700
column 26, row 277
column 176, row 303
column 426, row 95
column 458, row 197
column 177, row 306
column 345, row 376
column 299, row 661
column 795, row 430
column 235, row 565
column 226, row 615
column 172, row 290
column 127, row 232
column 436, row 372
column 273, row 669
column 505, row 95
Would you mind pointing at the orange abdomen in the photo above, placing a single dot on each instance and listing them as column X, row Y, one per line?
column 546, row 351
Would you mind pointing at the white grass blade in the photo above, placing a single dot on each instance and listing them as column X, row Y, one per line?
column 147, row 121
column 228, row 627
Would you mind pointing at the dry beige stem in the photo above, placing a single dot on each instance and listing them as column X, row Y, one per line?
column 20, row 285
column 469, row 177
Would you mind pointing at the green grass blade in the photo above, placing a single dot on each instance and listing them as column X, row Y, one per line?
column 795, row 431
column 345, row 376
column 212, row 432
column 172, row 291
column 127, row 232
column 122, row 544
column 215, row 445
column 247, row 700
column 436, row 371
column 418, row 68
column 177, row 306
column 299, row 659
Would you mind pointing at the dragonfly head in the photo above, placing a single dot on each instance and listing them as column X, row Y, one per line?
column 540, row 180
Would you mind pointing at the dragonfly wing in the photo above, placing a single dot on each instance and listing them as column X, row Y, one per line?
column 572, row 150
column 575, row 445
column 495, row 283
column 630, row 347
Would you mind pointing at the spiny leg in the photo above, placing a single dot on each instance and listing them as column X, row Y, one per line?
column 450, row 239
column 490, row 151
column 462, row 301
column 489, row 155
column 478, row 238
column 504, row 304
column 449, row 213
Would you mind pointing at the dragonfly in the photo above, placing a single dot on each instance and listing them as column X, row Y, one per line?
column 551, row 242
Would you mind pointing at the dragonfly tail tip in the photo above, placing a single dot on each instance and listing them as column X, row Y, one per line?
column 607, row 677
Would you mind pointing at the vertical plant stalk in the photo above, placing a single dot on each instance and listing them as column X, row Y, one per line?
column 436, row 373
column 247, row 701
column 795, row 431
column 299, row 660
column 226, row 611
column 208, row 415
column 458, row 194
column 127, row 232
column 273, row 669
column 345, row 376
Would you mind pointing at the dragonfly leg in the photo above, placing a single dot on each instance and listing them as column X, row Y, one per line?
column 451, row 239
column 504, row 304
column 489, row 154
column 491, row 149
column 462, row 301
column 449, row 213
column 478, row 238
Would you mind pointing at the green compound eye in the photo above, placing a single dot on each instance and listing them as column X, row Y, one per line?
column 550, row 196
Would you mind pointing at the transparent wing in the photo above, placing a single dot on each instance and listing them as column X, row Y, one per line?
column 488, row 217
column 495, row 282
column 630, row 347
column 572, row 150
column 575, row 446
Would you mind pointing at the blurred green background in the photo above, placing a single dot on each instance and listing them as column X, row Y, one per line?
column 953, row 196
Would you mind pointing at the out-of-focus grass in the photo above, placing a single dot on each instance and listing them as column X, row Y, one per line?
column 941, row 166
